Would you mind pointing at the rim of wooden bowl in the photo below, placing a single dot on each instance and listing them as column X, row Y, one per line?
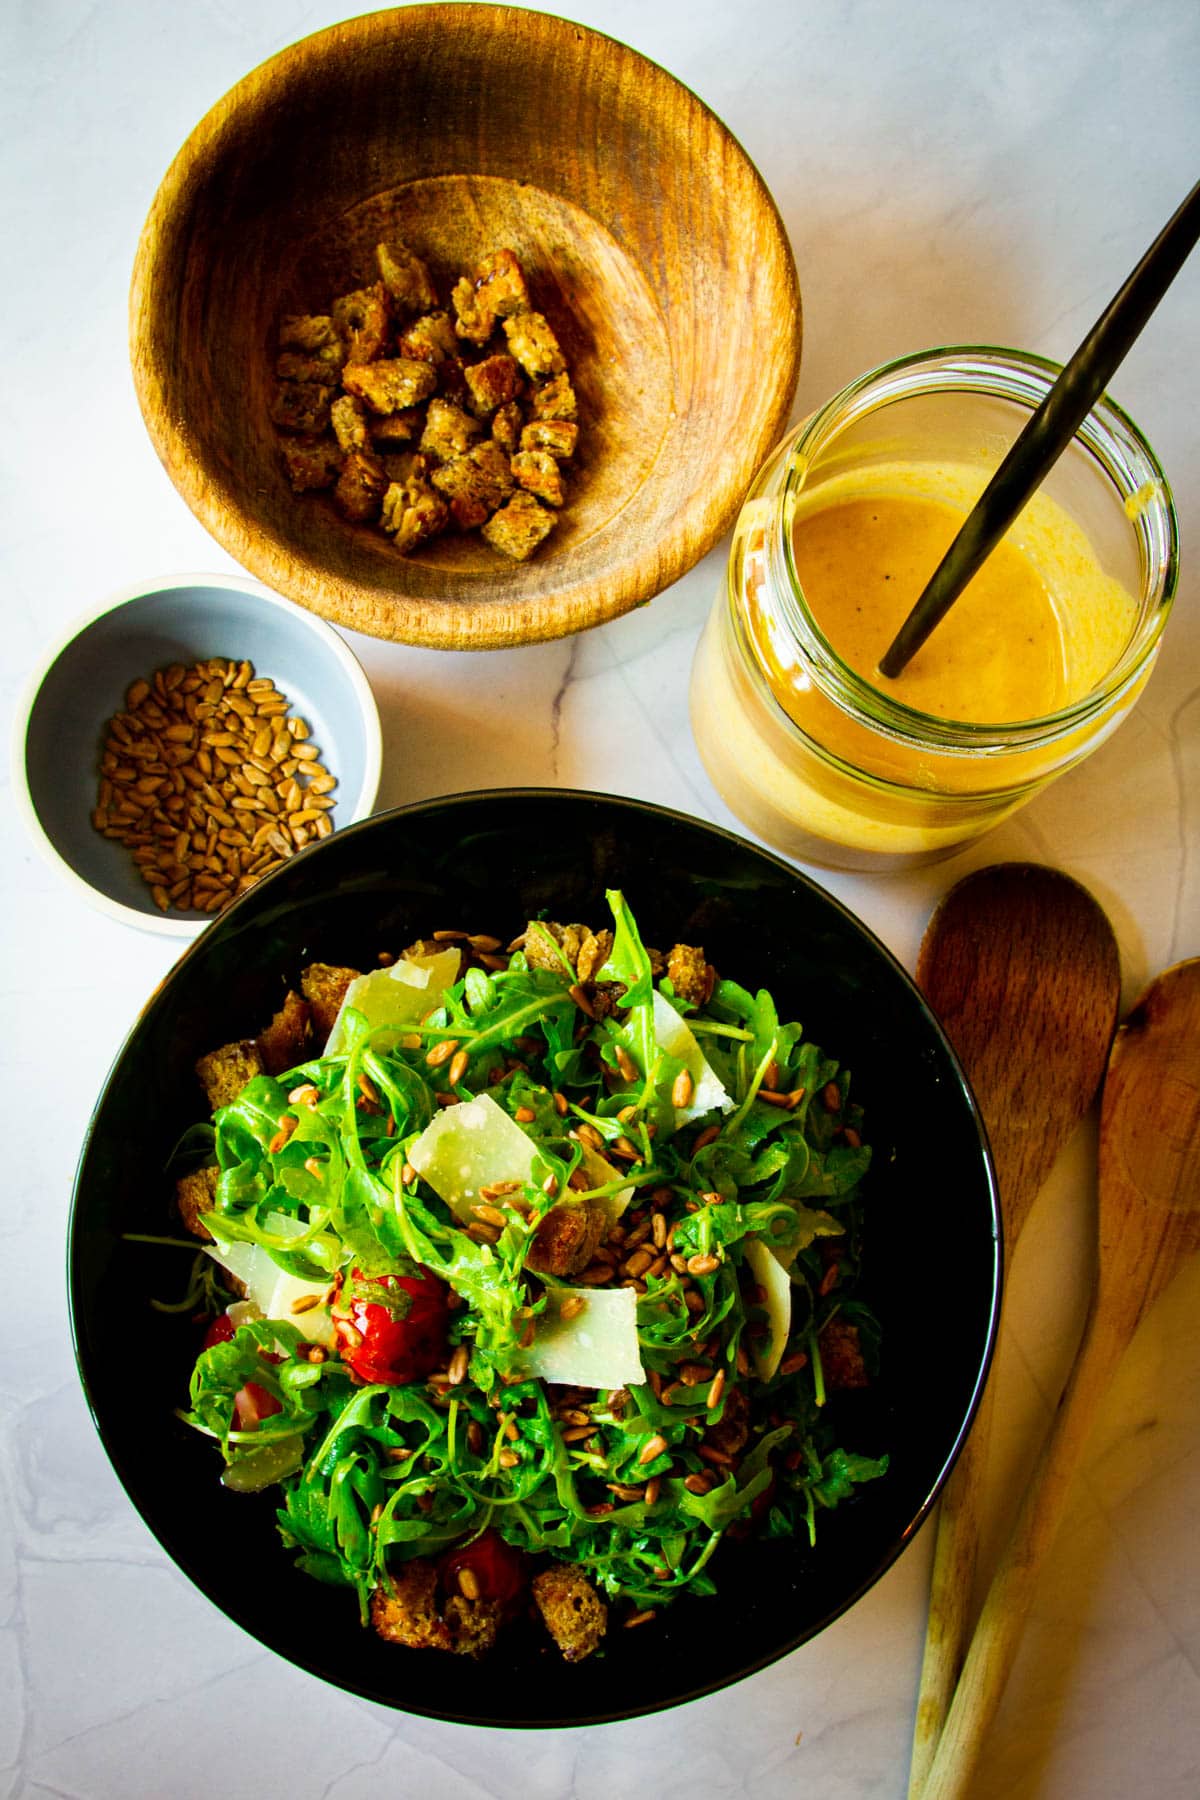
column 469, row 620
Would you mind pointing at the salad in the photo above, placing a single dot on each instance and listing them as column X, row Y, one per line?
column 532, row 1274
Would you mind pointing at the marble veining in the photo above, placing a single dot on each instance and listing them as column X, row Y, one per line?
column 946, row 174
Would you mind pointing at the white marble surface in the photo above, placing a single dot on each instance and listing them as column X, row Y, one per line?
column 946, row 172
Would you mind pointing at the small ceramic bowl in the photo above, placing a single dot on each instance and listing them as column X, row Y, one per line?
column 650, row 242
column 61, row 726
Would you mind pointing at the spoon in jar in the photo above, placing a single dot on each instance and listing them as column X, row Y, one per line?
column 1049, row 430
column 1020, row 965
column 1149, row 1226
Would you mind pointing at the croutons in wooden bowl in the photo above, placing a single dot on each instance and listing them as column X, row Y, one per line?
column 652, row 255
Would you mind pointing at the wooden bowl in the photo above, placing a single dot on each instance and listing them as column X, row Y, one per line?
column 651, row 244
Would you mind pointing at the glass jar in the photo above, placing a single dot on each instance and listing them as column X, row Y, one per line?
column 828, row 766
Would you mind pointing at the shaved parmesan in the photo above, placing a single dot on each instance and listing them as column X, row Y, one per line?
column 596, row 1348
column 400, row 995
column 766, row 1353
column 270, row 1289
column 600, row 1173
column 476, row 1144
column 468, row 1147
column 675, row 1036
column 809, row 1225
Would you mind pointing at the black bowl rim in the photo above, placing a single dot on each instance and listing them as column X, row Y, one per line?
column 177, row 1551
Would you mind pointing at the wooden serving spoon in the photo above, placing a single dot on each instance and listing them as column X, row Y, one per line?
column 1021, row 967
column 1149, row 1224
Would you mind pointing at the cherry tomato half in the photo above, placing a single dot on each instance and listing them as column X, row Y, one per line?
column 499, row 1570
column 252, row 1404
column 380, row 1346
column 219, row 1332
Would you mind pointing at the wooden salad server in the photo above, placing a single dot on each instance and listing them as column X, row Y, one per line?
column 1149, row 1225
column 1021, row 967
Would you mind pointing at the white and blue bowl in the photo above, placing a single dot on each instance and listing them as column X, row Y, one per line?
column 179, row 619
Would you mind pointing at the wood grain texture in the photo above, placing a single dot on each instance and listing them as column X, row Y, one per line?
column 1149, row 1224
column 1021, row 966
column 650, row 242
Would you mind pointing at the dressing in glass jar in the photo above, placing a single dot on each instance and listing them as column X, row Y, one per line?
column 1036, row 664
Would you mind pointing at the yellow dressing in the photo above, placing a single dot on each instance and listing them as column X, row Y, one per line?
column 1038, row 627
column 998, row 654
column 1041, row 627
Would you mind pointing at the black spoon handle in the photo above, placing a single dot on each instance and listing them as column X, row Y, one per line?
column 1049, row 430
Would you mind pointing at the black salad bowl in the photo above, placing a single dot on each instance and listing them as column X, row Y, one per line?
column 488, row 862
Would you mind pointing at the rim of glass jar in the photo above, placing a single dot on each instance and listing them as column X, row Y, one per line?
column 1108, row 433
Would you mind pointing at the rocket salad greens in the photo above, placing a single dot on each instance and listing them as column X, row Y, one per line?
column 552, row 1265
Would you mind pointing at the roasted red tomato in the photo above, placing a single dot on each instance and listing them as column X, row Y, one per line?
column 395, row 1346
column 493, row 1569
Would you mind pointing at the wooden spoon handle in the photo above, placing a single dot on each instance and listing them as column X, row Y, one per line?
column 994, row 1645
column 955, row 1553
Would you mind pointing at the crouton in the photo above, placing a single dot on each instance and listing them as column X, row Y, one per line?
column 841, row 1355
column 413, row 513
column 449, row 431
column 554, row 399
column 573, row 1612
column 196, row 1194
column 688, row 973
column 361, row 486
column 534, row 344
column 324, row 986
column 428, row 339
column 362, row 321
column 309, row 466
column 405, row 277
column 537, row 471
column 567, row 1239
column 518, row 528
column 301, row 407
column 293, row 365
column 405, row 466
column 390, row 386
column 605, row 997
column 500, row 285
column 224, row 1072
column 468, row 511
column 547, row 944
column 396, row 428
column 498, row 291
column 349, row 421
column 284, row 1043
column 473, row 1624
column 404, row 1609
column 309, row 331
column 472, row 321
column 585, row 951
column 481, row 477
column 506, row 427
column 452, row 380
column 555, row 436
column 492, row 382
